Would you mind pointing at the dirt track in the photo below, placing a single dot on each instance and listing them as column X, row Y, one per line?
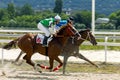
column 113, row 56
column 93, row 55
column 32, row 75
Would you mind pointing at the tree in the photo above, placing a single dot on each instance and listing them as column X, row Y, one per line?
column 2, row 13
column 115, row 18
column 83, row 17
column 11, row 10
column 27, row 10
column 58, row 6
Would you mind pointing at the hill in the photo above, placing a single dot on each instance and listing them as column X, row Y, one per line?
column 102, row 6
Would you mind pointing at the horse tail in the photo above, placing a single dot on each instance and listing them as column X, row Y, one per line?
column 9, row 45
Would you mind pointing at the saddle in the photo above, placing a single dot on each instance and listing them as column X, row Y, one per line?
column 40, row 38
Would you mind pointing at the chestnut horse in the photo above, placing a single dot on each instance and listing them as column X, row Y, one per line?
column 73, row 45
column 28, row 45
column 72, row 48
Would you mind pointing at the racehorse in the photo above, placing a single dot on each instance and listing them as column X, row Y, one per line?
column 72, row 48
column 27, row 43
column 73, row 44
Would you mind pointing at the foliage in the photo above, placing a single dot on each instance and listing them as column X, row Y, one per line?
column 80, row 26
column 83, row 17
column 101, row 6
column 25, row 16
column 58, row 6
column 11, row 10
column 108, row 26
column 116, row 17
column 4, row 14
column 118, row 27
column 27, row 10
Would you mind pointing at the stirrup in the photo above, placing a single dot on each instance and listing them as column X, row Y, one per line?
column 45, row 42
column 45, row 45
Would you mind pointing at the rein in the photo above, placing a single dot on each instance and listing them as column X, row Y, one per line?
column 60, row 36
column 88, row 36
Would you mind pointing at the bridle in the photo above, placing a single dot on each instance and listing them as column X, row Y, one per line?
column 88, row 36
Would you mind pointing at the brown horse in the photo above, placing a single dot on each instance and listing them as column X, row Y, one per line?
column 72, row 48
column 73, row 44
column 28, row 45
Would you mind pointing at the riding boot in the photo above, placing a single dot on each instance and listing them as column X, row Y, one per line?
column 45, row 44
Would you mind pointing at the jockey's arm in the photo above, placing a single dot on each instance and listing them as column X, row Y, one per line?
column 50, row 24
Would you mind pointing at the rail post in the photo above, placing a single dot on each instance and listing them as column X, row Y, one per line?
column 114, row 40
column 106, row 40
column 2, row 61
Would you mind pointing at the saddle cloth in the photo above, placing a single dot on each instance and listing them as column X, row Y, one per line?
column 40, row 38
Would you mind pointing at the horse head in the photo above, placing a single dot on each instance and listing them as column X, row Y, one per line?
column 87, row 35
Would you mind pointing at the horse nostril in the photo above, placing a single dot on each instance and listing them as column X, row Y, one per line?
column 96, row 43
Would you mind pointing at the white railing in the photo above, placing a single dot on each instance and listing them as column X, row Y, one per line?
column 10, row 33
column 110, row 33
column 21, row 31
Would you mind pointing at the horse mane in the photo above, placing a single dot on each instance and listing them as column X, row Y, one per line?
column 81, row 31
column 60, row 31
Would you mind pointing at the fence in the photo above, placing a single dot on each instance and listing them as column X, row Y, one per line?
column 105, row 36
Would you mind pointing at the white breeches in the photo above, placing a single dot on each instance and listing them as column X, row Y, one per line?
column 44, row 29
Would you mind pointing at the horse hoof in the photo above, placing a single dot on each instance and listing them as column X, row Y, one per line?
column 40, row 71
column 3, row 73
column 98, row 66
column 51, row 70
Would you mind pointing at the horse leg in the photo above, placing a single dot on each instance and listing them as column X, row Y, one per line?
column 17, row 59
column 47, row 67
column 65, row 63
column 51, row 61
column 58, row 67
column 84, row 58
column 28, row 60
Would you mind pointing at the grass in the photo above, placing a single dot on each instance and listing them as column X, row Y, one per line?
column 75, row 67
column 91, row 47
column 104, row 68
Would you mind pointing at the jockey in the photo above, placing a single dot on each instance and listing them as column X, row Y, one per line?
column 63, row 22
column 57, row 26
column 44, row 25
